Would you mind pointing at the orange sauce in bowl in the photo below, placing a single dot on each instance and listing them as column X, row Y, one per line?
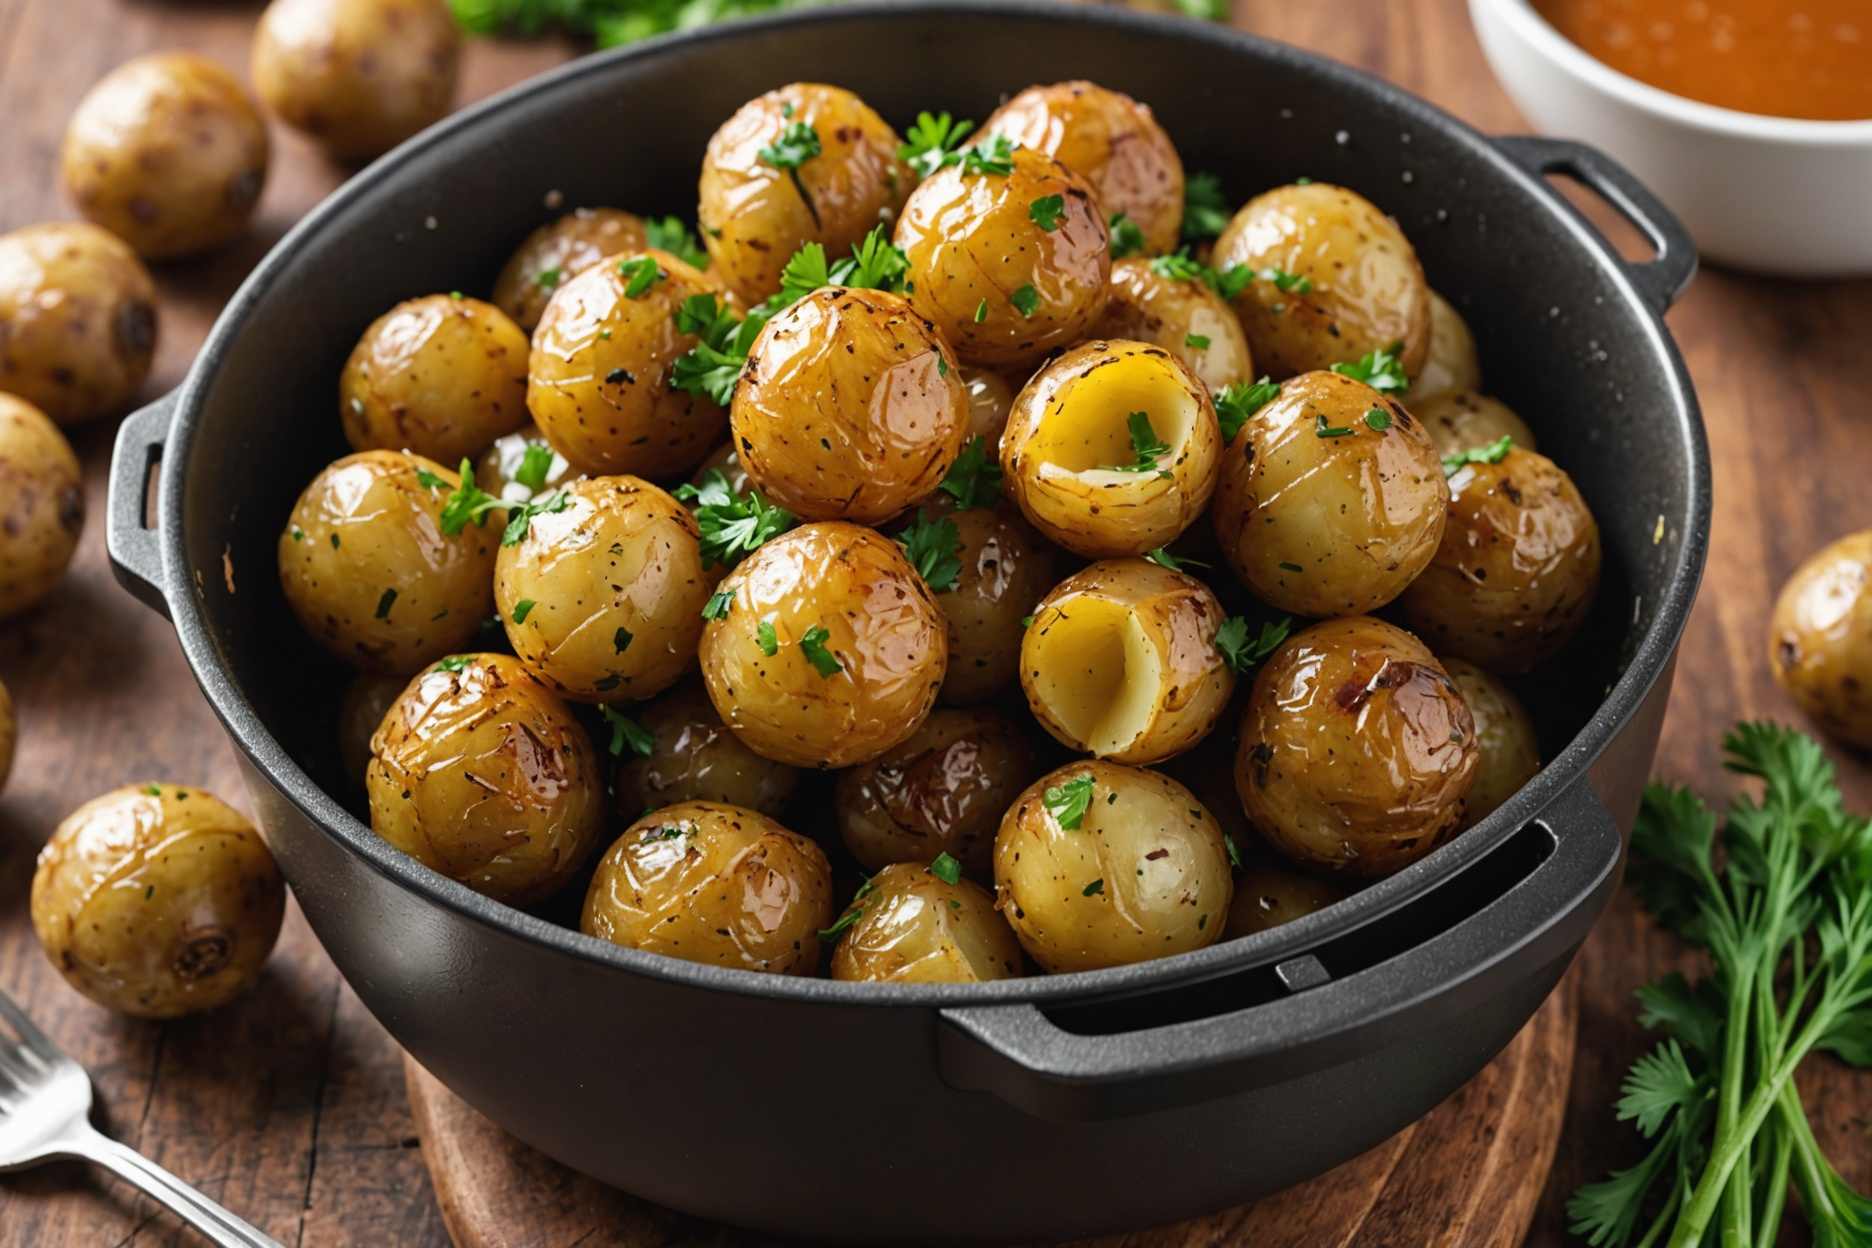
column 1782, row 58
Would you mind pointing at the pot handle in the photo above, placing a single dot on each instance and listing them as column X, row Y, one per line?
column 135, row 548
column 1660, row 279
column 1333, row 1003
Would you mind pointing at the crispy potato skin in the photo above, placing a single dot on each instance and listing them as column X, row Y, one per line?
column 941, row 792
column 42, row 506
column 1155, row 854
column 696, row 759
column 1466, row 421
column 752, row 215
column 598, row 381
column 1357, row 749
column 367, row 526
column 1006, row 569
column 732, row 888
column 1368, row 288
column 883, row 626
column 484, row 776
column 1110, row 140
column 157, row 901
column 1146, row 306
column 1068, row 438
column 617, row 587
column 1078, row 660
column 78, row 315
column 851, row 407
column 972, row 244
column 1266, row 897
column 559, row 251
column 990, row 399
column 1324, row 526
column 1517, row 570
column 1508, row 749
column 915, row 928
column 439, row 376
column 494, row 470
column 168, row 153
column 1450, row 364
column 357, row 76
column 1820, row 638
column 367, row 699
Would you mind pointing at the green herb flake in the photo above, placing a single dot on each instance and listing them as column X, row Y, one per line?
column 455, row 663
column 1198, row 341
column 1378, row 420
column 548, row 279
column 1205, row 210
column 1291, row 567
column 673, row 235
column 812, row 645
column 1244, row 653
column 522, row 609
column 1047, row 212
column 1126, row 238
column 988, row 157
column 536, row 463
column 766, row 638
column 945, row 868
column 1234, row 851
column 1380, row 369
column 1493, row 453
column 716, row 608
column 852, row 913
column 520, row 519
column 1145, row 445
column 934, row 141
column 974, row 480
column 733, row 525
column 643, row 272
column 1288, row 283
column 1237, row 402
column 981, row 311
column 1027, row 621
column 621, row 640
column 797, row 144
column 297, row 533
column 1176, row 563
column 154, row 790
column 384, row 602
column 1179, row 266
column 1026, row 300
column 1068, row 801
column 1324, row 429
column 626, row 731
column 934, row 548
column 1093, row 889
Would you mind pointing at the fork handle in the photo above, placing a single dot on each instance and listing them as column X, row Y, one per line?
column 221, row 1227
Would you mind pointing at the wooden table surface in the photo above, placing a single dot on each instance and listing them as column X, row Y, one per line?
column 289, row 1106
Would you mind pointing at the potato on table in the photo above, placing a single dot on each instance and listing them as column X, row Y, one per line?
column 1450, row 364
column 910, row 925
column 1463, row 420
column 1153, row 301
column 1005, row 569
column 1507, row 747
column 77, row 320
column 559, row 251
column 1820, row 638
column 1266, row 897
column 42, row 505
column 694, row 758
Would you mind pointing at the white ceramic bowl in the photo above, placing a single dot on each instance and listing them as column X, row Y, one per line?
column 1769, row 194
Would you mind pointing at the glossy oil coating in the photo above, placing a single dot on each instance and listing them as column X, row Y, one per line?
column 974, row 247
column 1451, row 363
column 559, row 251
column 42, row 507
column 713, row 883
column 915, row 928
column 1357, row 749
column 694, row 758
column 1183, row 316
column 506, row 455
column 157, row 900
column 1507, row 746
column 851, row 407
column 1006, row 569
column 990, row 398
column 1820, row 639
column 1517, row 570
column 1266, row 897
column 80, row 315
column 881, row 625
column 1467, row 421
column 483, row 775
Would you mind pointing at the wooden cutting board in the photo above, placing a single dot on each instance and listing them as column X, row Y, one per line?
column 1469, row 1175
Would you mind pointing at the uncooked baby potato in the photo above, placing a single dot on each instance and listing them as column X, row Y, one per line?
column 1098, row 865
column 1006, row 569
column 357, row 76
column 1266, row 897
column 1180, row 314
column 711, row 883
column 42, row 505
column 480, row 773
column 1507, row 747
column 1820, row 640
column 1450, row 364
column 559, row 251
column 1121, row 662
column 1466, row 421
column 168, row 153
column 77, row 320
column 157, row 900
column 914, row 927
column 1112, row 449
column 694, row 758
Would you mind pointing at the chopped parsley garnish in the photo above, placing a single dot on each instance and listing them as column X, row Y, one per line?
column 1323, row 429
column 520, row 519
column 1378, row 420
column 974, row 479
column 1237, row 402
column 667, row 832
column 298, row 534
column 1176, row 563
column 1093, row 889
column 1199, row 341
column 812, row 645
column 1026, row 300
column 981, row 311
column 945, row 868
column 1047, row 212
column 154, row 790
column 992, row 156
column 733, row 525
column 454, row 663
column 1145, row 445
column 932, row 142
column 621, row 640
column 716, row 608
column 852, row 912
column 874, row 264
column 1493, row 453
column 548, row 279
column 766, row 638
column 797, row 144
column 1205, row 211
column 1380, row 369
column 627, row 731
column 934, row 548
column 385, row 602
column 643, row 272
column 1068, row 802
column 1288, row 283
column 1291, row 567
column 1234, row 852
column 1027, row 621
column 671, row 234
column 1231, row 281
column 1126, row 238
column 535, row 462
column 1244, row 653
column 522, row 609
column 1179, row 266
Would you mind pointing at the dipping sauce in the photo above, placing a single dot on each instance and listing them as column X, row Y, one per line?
column 1782, row 58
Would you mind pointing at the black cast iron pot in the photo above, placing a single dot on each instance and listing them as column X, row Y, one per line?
column 1037, row 1107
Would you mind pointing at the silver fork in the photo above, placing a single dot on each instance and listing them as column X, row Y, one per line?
column 45, row 1113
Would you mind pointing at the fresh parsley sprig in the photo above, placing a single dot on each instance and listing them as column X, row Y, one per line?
column 1235, row 403
column 673, row 235
column 1145, row 445
column 1205, row 208
column 1380, row 369
column 929, row 144
column 626, row 731
column 934, row 548
column 1488, row 453
column 733, row 525
column 974, row 480
column 1069, row 800
column 1242, row 652
column 1127, row 239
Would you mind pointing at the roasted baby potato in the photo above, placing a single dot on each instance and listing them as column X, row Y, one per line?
column 522, row 466
column 367, row 699
column 168, row 153
column 1357, row 749
column 1820, row 639
column 1467, row 421
column 990, row 399
column 694, row 758
column 442, row 376
column 914, row 927
column 1121, row 662
column 9, row 735
column 559, row 251
column 77, row 320
column 602, row 598
column 707, row 882
column 1332, row 498
column 941, row 792
column 1180, row 314
column 1266, row 897
column 824, row 648
column 1006, row 569
column 369, row 570
column 1507, row 747
column 157, row 900
column 599, row 380
column 1350, row 281
column 804, row 163
column 1098, row 865
column 1517, row 570
column 357, row 76
column 1450, row 362
column 1112, row 449
column 42, row 505
column 1002, row 287
column 479, row 772
column 1111, row 141
column 851, row 407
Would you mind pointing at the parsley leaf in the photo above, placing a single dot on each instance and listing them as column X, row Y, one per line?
column 522, row 609
column 1231, row 281
column 1093, row 889
column 535, row 462
column 852, row 913
column 929, row 144
column 806, row 271
column 874, row 264
column 713, row 366
column 945, row 868
column 1126, row 238
column 465, row 503
column 1179, row 266
column 716, row 608
column 520, row 519
column 1493, row 453
column 981, row 310
column 1068, row 802
column 992, row 156
column 454, row 663
column 627, row 731
column 673, row 235
column 1199, row 342
column 385, row 602
column 812, row 645
column 1323, row 429
column 1047, row 212
column 766, row 638
column 1162, row 557
column 1379, row 369
column 1243, row 653
column 1288, row 283
column 1240, row 400
column 1378, row 420
column 934, row 548
column 1205, row 210
column 1026, row 300
column 548, row 279
column 974, row 479
column 1145, row 445
column 797, row 144
column 733, row 525
column 643, row 272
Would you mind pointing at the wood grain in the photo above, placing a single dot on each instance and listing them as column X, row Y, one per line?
column 290, row 1106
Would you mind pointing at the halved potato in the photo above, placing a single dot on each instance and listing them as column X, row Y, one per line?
column 1466, row 421
column 914, row 927
column 1450, row 362
column 1180, row 314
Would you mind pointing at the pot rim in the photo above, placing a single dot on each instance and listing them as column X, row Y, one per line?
column 1650, row 659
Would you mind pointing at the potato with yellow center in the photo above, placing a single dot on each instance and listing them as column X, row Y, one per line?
column 824, row 648
column 42, row 505
column 1112, row 449
column 1450, row 364
column 77, row 320
column 1099, row 865
column 1180, row 314
column 717, row 884
column 559, row 251
column 1266, row 897
column 1467, row 421
column 914, row 927
column 1006, row 282
column 1356, row 749
column 1363, row 289
column 1508, row 749
column 851, row 407
column 480, row 773
column 1820, row 638
column 599, row 378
